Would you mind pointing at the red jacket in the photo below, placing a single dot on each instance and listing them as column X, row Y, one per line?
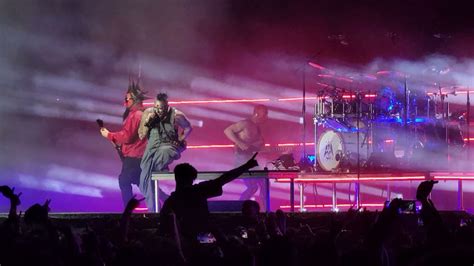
column 127, row 137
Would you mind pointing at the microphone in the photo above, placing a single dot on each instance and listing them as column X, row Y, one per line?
column 100, row 123
column 152, row 119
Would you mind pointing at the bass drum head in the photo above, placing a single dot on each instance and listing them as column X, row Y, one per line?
column 330, row 150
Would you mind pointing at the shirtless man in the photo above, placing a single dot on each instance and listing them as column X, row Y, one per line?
column 247, row 138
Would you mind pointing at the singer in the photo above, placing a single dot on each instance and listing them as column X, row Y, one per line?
column 167, row 130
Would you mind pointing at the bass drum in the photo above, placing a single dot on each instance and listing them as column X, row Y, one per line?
column 338, row 150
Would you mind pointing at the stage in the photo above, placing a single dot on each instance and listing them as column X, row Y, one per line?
column 301, row 179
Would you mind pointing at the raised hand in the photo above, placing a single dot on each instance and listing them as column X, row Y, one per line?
column 133, row 203
column 104, row 132
column 6, row 191
column 395, row 204
column 252, row 162
column 424, row 189
column 46, row 205
column 9, row 193
column 150, row 118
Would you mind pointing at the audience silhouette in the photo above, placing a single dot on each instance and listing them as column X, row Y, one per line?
column 186, row 236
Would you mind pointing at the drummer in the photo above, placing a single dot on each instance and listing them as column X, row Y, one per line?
column 387, row 105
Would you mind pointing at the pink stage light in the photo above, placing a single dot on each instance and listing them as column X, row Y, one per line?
column 372, row 77
column 294, row 144
column 212, row 101
column 452, row 176
column 322, row 84
column 431, row 93
column 296, row 99
column 220, row 101
column 335, row 77
column 351, row 96
column 348, row 96
column 338, row 205
column 389, row 141
column 325, row 76
column 291, row 99
column 316, row 66
column 345, row 79
column 397, row 178
column 389, row 72
column 352, row 179
column 210, row 146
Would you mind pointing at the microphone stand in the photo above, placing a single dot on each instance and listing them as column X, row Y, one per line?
column 303, row 112
column 303, row 107
column 405, row 122
column 468, row 168
column 468, row 122
column 357, row 185
column 316, row 123
column 444, row 121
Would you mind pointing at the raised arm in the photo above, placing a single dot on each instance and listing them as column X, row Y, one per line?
column 126, row 217
column 143, row 129
column 9, row 193
column 231, row 133
column 236, row 172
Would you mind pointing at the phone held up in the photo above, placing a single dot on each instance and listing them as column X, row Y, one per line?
column 407, row 206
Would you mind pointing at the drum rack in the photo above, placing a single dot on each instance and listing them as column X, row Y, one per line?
column 324, row 114
column 320, row 117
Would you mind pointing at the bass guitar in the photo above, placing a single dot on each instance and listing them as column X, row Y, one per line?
column 266, row 149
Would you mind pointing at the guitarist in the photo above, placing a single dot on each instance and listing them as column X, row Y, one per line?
column 127, row 141
column 166, row 129
column 247, row 138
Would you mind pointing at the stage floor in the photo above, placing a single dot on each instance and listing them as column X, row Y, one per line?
column 297, row 181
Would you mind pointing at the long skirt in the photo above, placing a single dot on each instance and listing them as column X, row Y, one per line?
column 157, row 157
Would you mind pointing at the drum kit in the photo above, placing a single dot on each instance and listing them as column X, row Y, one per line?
column 391, row 127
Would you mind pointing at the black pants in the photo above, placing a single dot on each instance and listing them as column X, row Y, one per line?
column 129, row 175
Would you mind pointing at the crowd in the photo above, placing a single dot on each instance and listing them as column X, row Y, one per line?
column 356, row 237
